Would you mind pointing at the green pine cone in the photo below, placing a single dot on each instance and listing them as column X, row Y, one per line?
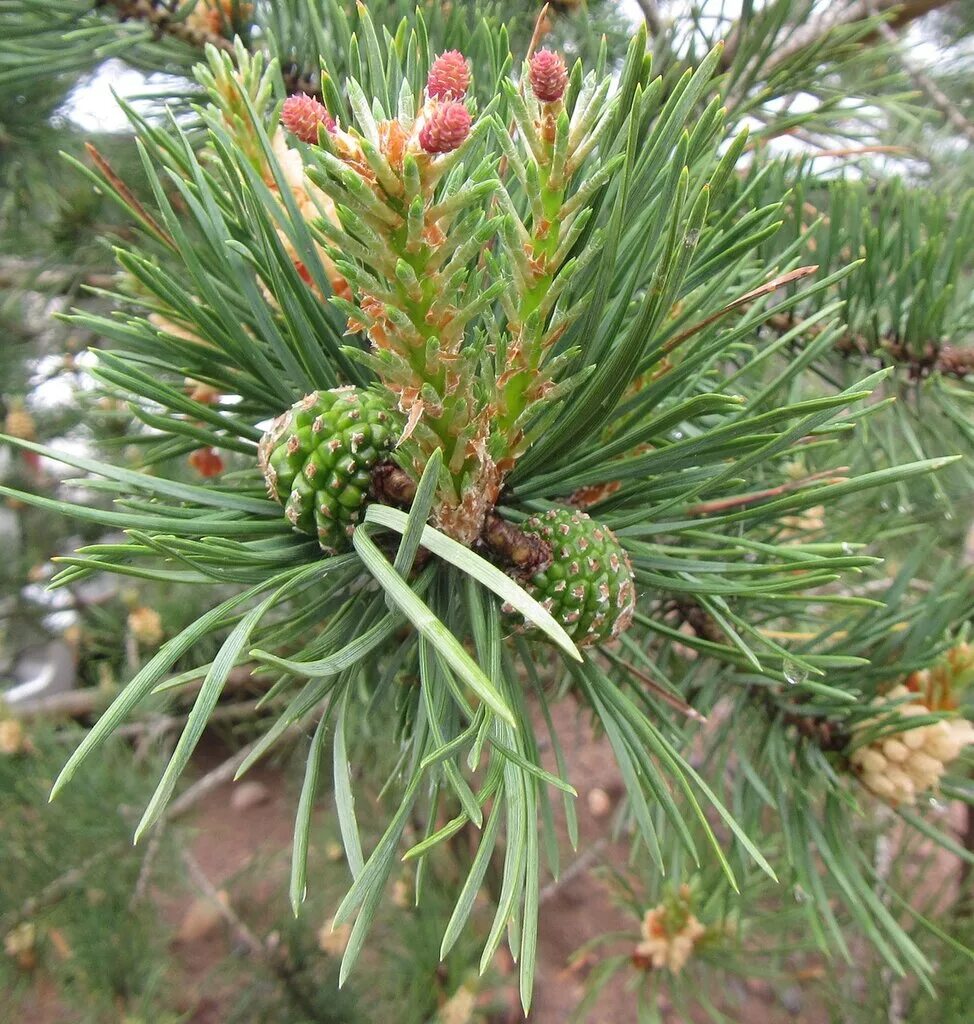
column 588, row 587
column 317, row 459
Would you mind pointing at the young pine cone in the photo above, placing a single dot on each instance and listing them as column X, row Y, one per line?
column 587, row 584
column 317, row 459
column 899, row 767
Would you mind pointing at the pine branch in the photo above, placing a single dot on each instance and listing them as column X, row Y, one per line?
column 160, row 17
column 905, row 11
column 935, row 357
column 30, row 275
column 54, row 891
column 266, row 951
column 73, row 877
column 83, row 703
column 740, row 500
column 531, row 328
column 937, row 96
column 651, row 12
column 240, row 929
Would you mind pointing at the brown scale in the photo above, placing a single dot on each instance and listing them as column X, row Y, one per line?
column 527, row 553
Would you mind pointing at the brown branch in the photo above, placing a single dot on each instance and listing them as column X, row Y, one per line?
column 157, row 727
column 741, row 300
column 224, row 772
column 859, row 151
column 86, row 702
column 950, row 360
column 244, row 935
column 268, row 952
column 160, row 18
column 152, row 849
column 937, row 96
column 675, row 702
column 905, row 11
column 578, row 867
column 697, row 618
column 72, row 704
column 523, row 551
column 743, row 500
column 651, row 14
column 129, row 198
column 391, row 485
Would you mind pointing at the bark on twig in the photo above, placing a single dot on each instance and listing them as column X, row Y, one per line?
column 72, row 704
column 934, row 357
column 828, row 477
column 671, row 699
column 240, row 930
column 815, row 31
column 522, row 551
column 85, row 703
column 392, row 485
column 160, row 17
column 576, row 868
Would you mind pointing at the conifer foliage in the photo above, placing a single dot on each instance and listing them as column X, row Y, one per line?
column 506, row 375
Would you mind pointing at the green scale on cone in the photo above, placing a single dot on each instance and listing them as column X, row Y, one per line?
column 588, row 587
column 318, row 457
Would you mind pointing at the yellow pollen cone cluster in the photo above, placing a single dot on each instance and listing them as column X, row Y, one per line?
column 899, row 767
column 664, row 946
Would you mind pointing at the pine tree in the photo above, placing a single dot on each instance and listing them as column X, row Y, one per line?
column 518, row 370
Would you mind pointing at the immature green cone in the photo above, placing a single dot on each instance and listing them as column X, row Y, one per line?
column 588, row 587
column 317, row 459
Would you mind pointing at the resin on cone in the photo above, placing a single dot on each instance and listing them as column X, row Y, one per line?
column 588, row 587
column 317, row 460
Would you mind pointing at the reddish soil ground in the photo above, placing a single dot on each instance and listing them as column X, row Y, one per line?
column 229, row 841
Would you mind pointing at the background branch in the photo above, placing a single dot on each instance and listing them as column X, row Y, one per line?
column 651, row 12
column 926, row 84
column 906, row 11
column 161, row 19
